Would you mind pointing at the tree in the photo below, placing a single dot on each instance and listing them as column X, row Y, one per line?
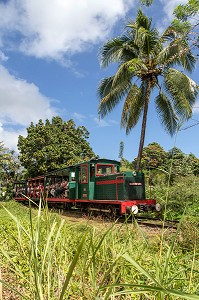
column 153, row 156
column 194, row 162
column 53, row 145
column 186, row 21
column 182, row 164
column 125, row 165
column 175, row 153
column 121, row 150
column 145, row 60
column 10, row 166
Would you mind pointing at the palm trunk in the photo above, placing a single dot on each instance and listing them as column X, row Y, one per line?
column 142, row 137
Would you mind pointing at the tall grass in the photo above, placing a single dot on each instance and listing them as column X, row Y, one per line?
column 53, row 259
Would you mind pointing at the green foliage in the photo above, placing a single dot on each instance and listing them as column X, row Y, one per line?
column 121, row 150
column 9, row 164
column 153, row 156
column 190, row 233
column 179, row 196
column 180, row 164
column 53, row 145
column 10, row 169
column 125, row 165
column 183, row 12
column 173, row 179
column 187, row 21
column 184, row 194
column 164, row 166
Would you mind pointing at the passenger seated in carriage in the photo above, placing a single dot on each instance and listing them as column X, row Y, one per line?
column 65, row 187
column 61, row 189
column 39, row 190
column 52, row 190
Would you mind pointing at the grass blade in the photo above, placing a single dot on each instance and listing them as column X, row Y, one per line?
column 72, row 266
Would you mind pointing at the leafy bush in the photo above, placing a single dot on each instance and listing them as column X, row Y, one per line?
column 182, row 195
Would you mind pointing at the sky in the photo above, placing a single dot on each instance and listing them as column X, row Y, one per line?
column 49, row 66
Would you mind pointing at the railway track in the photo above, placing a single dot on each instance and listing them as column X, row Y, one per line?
column 158, row 224
column 141, row 221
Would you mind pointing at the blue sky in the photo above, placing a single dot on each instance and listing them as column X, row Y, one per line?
column 49, row 66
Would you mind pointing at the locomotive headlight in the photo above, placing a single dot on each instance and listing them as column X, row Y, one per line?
column 134, row 209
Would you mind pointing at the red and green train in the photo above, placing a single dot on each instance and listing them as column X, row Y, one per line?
column 96, row 186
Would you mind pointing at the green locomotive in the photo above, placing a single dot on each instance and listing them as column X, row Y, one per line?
column 96, row 186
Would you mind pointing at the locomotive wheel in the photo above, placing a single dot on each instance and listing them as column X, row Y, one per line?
column 112, row 212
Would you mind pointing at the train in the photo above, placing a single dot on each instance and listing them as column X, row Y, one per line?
column 96, row 186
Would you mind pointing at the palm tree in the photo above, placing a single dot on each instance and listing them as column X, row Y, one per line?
column 145, row 63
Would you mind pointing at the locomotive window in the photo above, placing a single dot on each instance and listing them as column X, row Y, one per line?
column 84, row 174
column 104, row 169
column 116, row 169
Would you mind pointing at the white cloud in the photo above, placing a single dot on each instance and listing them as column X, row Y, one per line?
column 3, row 57
column 10, row 137
column 21, row 103
column 51, row 29
column 196, row 108
column 79, row 117
column 102, row 123
column 113, row 122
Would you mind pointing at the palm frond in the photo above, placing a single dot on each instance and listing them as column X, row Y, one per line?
column 109, row 102
column 187, row 59
column 148, row 41
column 169, row 34
column 130, row 50
column 168, row 55
column 141, row 39
column 145, row 37
column 177, row 53
column 118, row 50
column 166, row 113
column 134, row 67
column 142, row 20
column 111, row 51
column 154, row 42
column 183, row 91
column 178, row 50
column 123, row 74
column 132, row 108
column 104, row 87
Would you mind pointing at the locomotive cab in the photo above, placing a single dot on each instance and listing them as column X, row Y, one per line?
column 86, row 174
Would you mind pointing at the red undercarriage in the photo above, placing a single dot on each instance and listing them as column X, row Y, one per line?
column 122, row 204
